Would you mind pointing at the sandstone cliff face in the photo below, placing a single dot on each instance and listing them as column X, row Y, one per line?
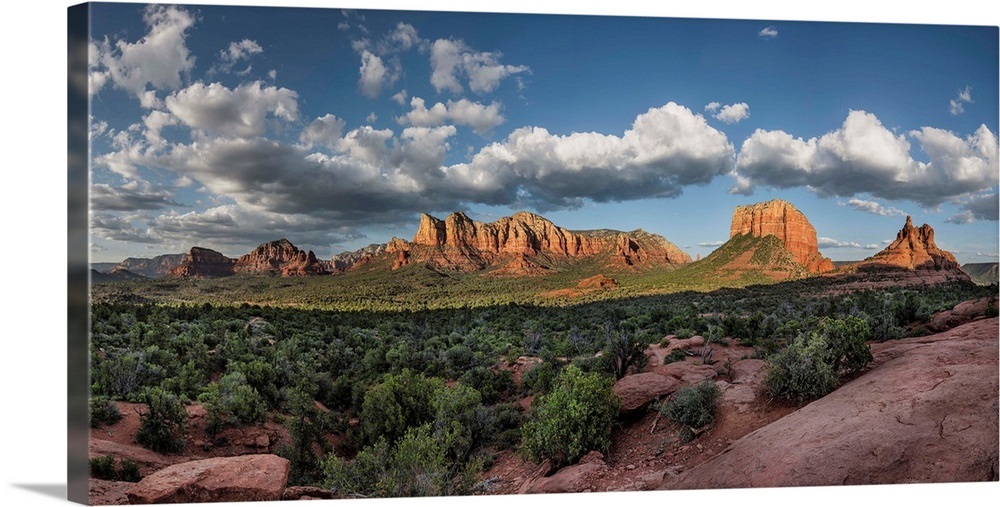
column 519, row 245
column 782, row 220
column 151, row 268
column 347, row 260
column 914, row 248
column 203, row 263
column 279, row 257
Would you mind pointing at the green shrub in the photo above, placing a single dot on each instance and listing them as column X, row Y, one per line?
column 396, row 404
column 573, row 419
column 103, row 412
column 802, row 371
column 104, row 468
column 456, row 420
column 162, row 427
column 231, row 402
column 811, row 365
column 674, row 356
column 692, row 407
column 307, row 426
column 624, row 350
column 416, row 466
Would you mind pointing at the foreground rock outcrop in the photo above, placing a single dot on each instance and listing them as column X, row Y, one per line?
column 926, row 413
column 780, row 219
column 914, row 248
column 255, row 477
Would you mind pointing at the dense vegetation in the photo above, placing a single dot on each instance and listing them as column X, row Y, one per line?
column 417, row 371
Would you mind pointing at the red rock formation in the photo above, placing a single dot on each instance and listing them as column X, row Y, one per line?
column 914, row 248
column 517, row 242
column 279, row 257
column 255, row 477
column 925, row 412
column 347, row 260
column 203, row 263
column 780, row 219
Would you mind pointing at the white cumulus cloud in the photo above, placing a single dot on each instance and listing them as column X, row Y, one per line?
column 159, row 59
column 732, row 113
column 452, row 60
column 240, row 111
column 769, row 32
column 482, row 118
column 863, row 156
column 957, row 105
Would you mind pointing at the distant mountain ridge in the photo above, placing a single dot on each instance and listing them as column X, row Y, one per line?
column 155, row 267
column 984, row 273
column 768, row 241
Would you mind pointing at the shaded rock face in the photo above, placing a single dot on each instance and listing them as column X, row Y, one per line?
column 203, row 263
column 278, row 257
column 347, row 260
column 927, row 412
column 639, row 390
column 256, row 477
column 156, row 267
column 516, row 242
column 782, row 220
column 914, row 248
column 571, row 479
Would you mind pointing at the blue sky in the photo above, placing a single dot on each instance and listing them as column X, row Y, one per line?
column 226, row 127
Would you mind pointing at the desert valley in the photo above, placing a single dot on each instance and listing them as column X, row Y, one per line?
column 520, row 357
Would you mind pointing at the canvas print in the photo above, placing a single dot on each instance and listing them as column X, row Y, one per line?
column 339, row 254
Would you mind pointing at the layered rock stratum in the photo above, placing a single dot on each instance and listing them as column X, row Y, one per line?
column 782, row 220
column 279, row 257
column 203, row 263
column 155, row 267
column 526, row 243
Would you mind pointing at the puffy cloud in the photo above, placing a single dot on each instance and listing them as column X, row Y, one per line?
column 452, row 59
column 732, row 113
column 403, row 38
column 769, row 32
column 325, row 130
column 481, row 118
column 371, row 176
column 400, row 97
column 376, row 74
column 131, row 196
column 863, row 156
column 873, row 207
column 957, row 105
column 833, row 243
column 159, row 59
column 232, row 112
column 712, row 106
column 980, row 207
column 236, row 52
column 237, row 229
column 871, row 246
column 666, row 149
column 371, row 118
column 120, row 228
column 154, row 122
